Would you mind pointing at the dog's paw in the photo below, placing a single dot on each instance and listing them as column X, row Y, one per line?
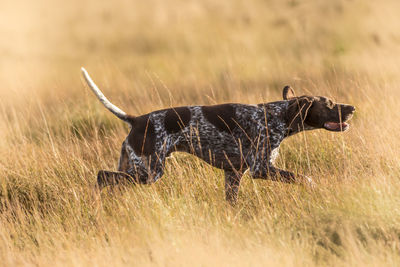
column 310, row 182
column 307, row 181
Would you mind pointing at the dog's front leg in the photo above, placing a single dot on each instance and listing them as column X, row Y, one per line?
column 232, row 183
column 276, row 174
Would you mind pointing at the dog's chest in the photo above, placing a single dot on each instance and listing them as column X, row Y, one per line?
column 276, row 125
column 266, row 122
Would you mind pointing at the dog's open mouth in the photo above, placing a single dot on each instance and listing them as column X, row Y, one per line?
column 336, row 126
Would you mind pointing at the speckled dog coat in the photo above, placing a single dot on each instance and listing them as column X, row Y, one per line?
column 232, row 137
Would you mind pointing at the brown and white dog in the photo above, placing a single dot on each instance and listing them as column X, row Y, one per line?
column 232, row 137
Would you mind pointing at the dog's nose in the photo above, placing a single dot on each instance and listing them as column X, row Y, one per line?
column 349, row 108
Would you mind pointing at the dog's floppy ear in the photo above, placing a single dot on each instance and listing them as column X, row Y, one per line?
column 288, row 92
column 297, row 112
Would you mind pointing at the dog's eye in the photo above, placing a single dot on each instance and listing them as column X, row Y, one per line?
column 330, row 104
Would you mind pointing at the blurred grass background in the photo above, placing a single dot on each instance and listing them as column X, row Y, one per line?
column 147, row 55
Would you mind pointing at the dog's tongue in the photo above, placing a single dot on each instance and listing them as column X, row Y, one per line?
column 335, row 126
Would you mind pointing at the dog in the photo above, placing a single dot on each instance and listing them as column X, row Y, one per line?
column 233, row 137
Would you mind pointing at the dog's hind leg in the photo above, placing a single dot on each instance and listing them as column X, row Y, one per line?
column 123, row 164
column 134, row 175
column 106, row 178
column 110, row 178
column 133, row 169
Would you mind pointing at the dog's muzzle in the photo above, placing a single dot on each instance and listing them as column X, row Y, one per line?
column 343, row 125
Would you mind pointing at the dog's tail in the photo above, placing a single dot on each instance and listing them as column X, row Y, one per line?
column 110, row 106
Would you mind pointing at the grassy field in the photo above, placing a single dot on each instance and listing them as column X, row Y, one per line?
column 147, row 55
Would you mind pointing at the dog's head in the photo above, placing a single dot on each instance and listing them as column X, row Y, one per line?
column 315, row 112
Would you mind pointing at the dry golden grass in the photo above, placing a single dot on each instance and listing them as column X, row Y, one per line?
column 147, row 55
